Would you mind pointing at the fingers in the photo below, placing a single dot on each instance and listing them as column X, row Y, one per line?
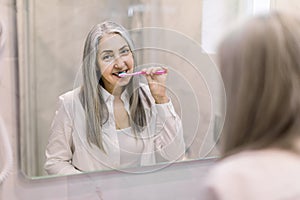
column 165, row 69
column 157, row 83
column 155, row 78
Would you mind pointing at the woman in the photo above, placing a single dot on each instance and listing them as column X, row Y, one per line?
column 260, row 66
column 113, row 121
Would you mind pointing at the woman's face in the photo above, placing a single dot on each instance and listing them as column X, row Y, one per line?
column 114, row 57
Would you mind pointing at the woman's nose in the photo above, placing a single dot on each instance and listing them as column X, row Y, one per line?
column 119, row 62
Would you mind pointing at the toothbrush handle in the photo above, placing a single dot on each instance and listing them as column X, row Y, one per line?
column 142, row 72
column 159, row 72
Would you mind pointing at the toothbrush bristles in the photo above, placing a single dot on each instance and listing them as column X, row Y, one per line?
column 122, row 74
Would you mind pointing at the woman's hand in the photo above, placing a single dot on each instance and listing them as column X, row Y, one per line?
column 157, row 84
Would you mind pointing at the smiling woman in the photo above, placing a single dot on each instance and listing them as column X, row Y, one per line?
column 113, row 122
column 115, row 57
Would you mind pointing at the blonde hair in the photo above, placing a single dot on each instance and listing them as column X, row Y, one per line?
column 260, row 66
column 96, row 111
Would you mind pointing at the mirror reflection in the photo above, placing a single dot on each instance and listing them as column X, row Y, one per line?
column 82, row 110
column 113, row 120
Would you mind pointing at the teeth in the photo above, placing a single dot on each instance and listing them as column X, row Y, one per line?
column 121, row 72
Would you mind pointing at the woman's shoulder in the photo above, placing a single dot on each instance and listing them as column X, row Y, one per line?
column 69, row 99
column 253, row 174
column 231, row 165
column 249, row 165
column 70, row 95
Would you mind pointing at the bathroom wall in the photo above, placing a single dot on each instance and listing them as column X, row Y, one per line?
column 286, row 5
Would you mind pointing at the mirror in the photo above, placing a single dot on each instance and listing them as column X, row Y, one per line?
column 51, row 39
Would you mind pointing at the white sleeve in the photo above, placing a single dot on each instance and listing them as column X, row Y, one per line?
column 169, row 140
column 59, row 149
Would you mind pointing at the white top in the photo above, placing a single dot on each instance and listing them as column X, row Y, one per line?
column 255, row 175
column 68, row 151
column 131, row 148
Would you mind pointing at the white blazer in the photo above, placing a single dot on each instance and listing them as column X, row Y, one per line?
column 68, row 151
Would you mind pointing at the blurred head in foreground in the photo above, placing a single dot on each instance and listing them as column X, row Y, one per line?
column 260, row 66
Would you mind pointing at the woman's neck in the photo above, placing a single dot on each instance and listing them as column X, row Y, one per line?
column 116, row 92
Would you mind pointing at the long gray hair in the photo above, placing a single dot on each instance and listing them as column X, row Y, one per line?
column 96, row 110
column 260, row 66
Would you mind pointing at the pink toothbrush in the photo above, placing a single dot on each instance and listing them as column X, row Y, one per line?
column 123, row 74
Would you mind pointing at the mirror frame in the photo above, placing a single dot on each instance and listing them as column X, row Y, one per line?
column 26, row 91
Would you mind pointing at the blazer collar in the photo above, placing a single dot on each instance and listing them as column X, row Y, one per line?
column 107, row 96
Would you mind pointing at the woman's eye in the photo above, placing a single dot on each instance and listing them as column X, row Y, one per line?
column 106, row 57
column 124, row 51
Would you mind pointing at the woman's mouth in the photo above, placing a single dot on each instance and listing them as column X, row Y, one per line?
column 119, row 72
